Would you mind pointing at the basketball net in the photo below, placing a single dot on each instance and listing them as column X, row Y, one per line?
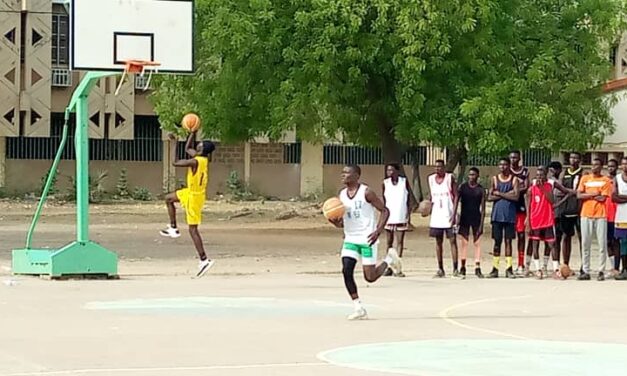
column 138, row 66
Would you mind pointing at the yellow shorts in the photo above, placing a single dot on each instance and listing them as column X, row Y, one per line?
column 193, row 204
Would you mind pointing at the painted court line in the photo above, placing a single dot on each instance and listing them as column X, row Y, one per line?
column 445, row 315
column 167, row 369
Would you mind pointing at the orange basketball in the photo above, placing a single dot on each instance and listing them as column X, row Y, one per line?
column 191, row 122
column 565, row 271
column 333, row 208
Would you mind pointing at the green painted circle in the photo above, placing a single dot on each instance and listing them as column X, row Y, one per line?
column 484, row 358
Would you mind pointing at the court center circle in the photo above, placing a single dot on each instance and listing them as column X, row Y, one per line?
column 467, row 357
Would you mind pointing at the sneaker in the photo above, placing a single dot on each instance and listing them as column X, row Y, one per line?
column 521, row 270
column 509, row 273
column 557, row 275
column 388, row 272
column 540, row 274
column 545, row 271
column 478, row 273
column 170, row 232
column 359, row 314
column 395, row 263
column 399, row 275
column 494, row 273
column 462, row 271
column 439, row 274
column 204, row 266
column 613, row 274
column 622, row 276
column 601, row 277
column 459, row 275
column 528, row 274
column 583, row 277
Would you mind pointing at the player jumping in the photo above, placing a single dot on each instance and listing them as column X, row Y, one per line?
column 361, row 232
column 192, row 198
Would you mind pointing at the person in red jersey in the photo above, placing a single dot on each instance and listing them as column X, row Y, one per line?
column 540, row 219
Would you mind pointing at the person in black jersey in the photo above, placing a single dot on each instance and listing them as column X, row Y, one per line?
column 472, row 197
column 522, row 173
column 569, row 208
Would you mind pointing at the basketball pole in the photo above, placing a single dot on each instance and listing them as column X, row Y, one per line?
column 82, row 256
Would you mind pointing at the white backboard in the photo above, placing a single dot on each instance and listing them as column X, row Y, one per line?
column 104, row 33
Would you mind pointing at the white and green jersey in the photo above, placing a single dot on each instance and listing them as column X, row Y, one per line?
column 360, row 219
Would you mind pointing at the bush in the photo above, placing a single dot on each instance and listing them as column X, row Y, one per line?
column 237, row 189
column 96, row 187
column 122, row 185
column 53, row 187
column 141, row 194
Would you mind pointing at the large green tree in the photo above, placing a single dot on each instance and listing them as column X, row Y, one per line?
column 478, row 75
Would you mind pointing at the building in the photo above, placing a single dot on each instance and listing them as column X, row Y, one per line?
column 36, row 85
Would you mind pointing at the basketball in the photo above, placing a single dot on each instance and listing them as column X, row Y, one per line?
column 564, row 271
column 333, row 208
column 424, row 208
column 191, row 122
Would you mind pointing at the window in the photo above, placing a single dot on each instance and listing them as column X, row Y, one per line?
column 60, row 40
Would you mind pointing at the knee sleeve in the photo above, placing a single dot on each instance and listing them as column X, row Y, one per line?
column 348, row 271
column 623, row 247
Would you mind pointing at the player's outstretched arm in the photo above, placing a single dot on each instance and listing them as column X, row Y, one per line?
column 176, row 162
column 375, row 201
column 190, row 148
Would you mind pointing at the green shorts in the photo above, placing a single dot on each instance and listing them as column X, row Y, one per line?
column 364, row 252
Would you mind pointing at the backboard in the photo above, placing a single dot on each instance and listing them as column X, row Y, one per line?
column 105, row 33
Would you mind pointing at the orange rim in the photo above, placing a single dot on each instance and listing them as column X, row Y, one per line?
column 138, row 66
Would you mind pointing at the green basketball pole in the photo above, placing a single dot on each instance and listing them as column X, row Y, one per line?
column 82, row 256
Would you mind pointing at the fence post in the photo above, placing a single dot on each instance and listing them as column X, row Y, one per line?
column 247, row 147
column 311, row 169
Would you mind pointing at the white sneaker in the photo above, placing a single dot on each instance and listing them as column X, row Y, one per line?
column 395, row 264
column 170, row 232
column 359, row 314
column 204, row 266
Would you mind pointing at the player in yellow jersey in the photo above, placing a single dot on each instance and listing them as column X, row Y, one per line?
column 192, row 198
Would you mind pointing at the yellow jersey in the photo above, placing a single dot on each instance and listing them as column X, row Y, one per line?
column 197, row 182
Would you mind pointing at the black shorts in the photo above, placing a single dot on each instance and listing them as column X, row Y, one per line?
column 503, row 230
column 546, row 234
column 465, row 229
column 567, row 226
column 441, row 232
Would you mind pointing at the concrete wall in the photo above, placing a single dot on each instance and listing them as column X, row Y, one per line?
column 271, row 179
column 26, row 175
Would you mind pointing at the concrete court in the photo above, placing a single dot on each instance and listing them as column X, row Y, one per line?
column 288, row 324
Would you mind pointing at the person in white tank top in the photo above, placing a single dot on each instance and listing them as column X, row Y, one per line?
column 361, row 234
column 619, row 196
column 443, row 188
column 397, row 197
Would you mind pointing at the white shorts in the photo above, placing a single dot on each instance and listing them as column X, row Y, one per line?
column 364, row 252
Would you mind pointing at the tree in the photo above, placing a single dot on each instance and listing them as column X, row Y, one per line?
column 464, row 74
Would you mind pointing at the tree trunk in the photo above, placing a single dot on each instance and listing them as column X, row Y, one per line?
column 390, row 147
column 416, row 183
column 457, row 155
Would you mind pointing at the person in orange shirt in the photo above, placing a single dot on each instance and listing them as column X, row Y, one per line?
column 594, row 189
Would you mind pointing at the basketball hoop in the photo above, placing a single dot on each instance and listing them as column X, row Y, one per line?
column 138, row 66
